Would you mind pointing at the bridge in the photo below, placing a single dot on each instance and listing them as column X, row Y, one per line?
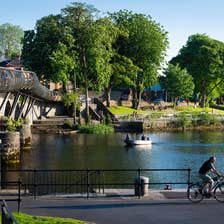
column 23, row 96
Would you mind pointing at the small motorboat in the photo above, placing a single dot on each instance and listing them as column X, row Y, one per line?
column 137, row 142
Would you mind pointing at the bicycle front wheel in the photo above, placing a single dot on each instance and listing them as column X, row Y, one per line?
column 194, row 193
column 219, row 193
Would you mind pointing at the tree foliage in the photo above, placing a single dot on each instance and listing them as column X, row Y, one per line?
column 177, row 82
column 39, row 44
column 145, row 46
column 203, row 57
column 10, row 40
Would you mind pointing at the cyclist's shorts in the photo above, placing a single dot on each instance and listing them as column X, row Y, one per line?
column 205, row 177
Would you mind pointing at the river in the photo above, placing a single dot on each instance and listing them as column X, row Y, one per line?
column 169, row 150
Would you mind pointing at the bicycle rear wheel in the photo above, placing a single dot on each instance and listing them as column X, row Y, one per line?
column 219, row 193
column 194, row 193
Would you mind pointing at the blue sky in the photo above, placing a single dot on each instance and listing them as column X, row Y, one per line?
column 180, row 18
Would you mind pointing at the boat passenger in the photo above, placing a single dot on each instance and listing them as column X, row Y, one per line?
column 143, row 137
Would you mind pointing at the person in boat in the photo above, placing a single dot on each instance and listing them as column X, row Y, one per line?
column 143, row 137
column 127, row 138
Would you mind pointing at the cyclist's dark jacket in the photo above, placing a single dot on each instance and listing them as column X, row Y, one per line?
column 207, row 165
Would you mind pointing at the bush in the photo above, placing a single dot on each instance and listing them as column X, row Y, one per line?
column 205, row 119
column 96, row 129
column 12, row 125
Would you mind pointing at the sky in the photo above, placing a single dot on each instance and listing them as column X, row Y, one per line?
column 180, row 18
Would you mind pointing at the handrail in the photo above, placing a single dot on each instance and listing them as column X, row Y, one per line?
column 7, row 217
column 17, row 80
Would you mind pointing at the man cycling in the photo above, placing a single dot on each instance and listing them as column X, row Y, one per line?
column 203, row 173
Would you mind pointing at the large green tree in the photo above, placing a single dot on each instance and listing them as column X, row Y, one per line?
column 10, row 40
column 203, row 57
column 93, row 45
column 177, row 82
column 39, row 44
column 145, row 46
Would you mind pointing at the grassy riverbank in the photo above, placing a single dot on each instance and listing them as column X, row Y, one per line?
column 121, row 110
column 173, row 118
column 95, row 129
column 29, row 219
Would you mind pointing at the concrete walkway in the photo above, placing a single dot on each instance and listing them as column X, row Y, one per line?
column 157, row 207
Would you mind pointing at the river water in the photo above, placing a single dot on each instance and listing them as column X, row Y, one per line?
column 169, row 150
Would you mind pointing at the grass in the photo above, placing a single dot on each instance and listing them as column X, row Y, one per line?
column 121, row 110
column 29, row 219
column 124, row 110
column 96, row 129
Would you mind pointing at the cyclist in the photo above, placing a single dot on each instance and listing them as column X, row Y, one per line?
column 203, row 173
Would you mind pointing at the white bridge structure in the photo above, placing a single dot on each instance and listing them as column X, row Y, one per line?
column 23, row 96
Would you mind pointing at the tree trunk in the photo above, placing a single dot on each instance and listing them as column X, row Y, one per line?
column 64, row 87
column 108, row 92
column 86, row 90
column 139, row 98
column 135, row 98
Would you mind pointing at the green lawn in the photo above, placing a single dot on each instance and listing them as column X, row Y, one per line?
column 29, row 219
column 124, row 110
column 120, row 110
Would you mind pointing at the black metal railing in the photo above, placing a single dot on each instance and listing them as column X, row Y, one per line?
column 14, row 195
column 7, row 217
column 41, row 182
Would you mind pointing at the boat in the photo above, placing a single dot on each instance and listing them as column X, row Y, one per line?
column 131, row 142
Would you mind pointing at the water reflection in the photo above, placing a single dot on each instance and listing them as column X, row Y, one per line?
column 169, row 150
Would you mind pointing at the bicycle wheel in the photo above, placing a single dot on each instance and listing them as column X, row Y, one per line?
column 219, row 193
column 194, row 193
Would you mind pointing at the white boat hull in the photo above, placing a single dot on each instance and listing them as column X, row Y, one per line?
column 138, row 142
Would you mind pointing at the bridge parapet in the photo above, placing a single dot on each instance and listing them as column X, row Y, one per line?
column 12, row 80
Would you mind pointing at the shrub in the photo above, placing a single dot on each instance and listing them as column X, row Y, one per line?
column 96, row 129
column 12, row 125
column 205, row 119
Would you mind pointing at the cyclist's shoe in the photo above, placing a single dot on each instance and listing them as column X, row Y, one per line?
column 208, row 195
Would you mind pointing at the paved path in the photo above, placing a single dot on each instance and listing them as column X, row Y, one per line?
column 130, row 210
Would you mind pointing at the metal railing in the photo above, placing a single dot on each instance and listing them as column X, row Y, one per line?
column 41, row 182
column 17, row 80
column 11, row 196
column 7, row 217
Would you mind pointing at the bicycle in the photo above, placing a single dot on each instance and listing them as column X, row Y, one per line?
column 196, row 192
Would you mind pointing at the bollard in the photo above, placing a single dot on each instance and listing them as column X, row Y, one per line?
column 141, row 186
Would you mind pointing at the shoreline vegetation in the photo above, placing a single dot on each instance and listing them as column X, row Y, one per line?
column 177, row 119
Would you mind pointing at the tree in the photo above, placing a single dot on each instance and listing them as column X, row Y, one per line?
column 93, row 45
column 203, row 57
column 177, row 82
column 145, row 46
column 123, row 73
column 39, row 44
column 63, row 64
column 10, row 40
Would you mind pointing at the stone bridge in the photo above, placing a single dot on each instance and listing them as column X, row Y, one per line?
column 23, row 96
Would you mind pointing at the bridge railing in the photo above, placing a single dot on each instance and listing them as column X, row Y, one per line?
column 12, row 80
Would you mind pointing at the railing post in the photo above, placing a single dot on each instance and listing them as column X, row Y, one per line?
column 35, row 182
column 139, row 183
column 188, row 176
column 87, row 179
column 19, row 194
